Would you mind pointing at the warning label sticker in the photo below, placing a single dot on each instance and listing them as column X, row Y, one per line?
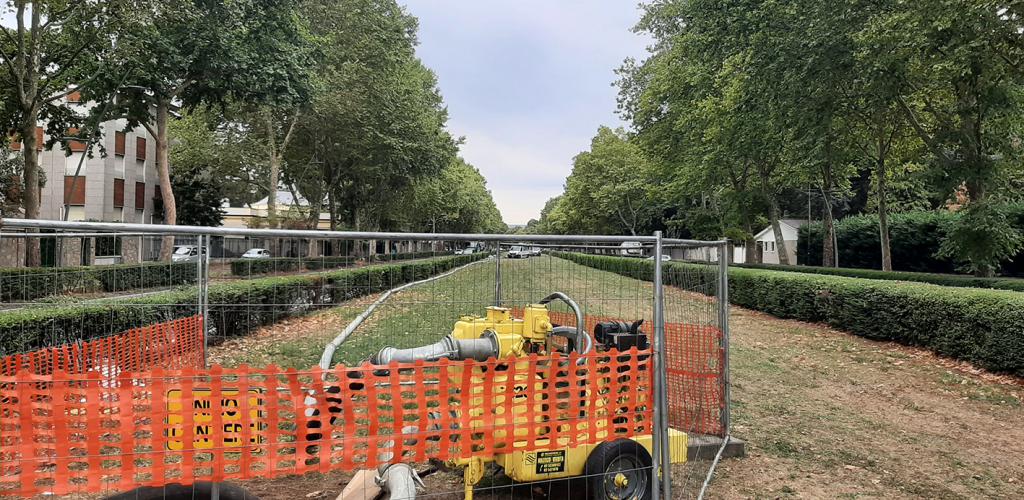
column 550, row 461
column 229, row 432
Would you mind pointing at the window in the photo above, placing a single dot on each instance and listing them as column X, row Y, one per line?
column 118, row 193
column 108, row 246
column 75, row 146
column 140, row 148
column 119, row 143
column 140, row 196
column 74, row 190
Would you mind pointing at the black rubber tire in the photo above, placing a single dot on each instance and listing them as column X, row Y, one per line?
column 198, row 491
column 605, row 461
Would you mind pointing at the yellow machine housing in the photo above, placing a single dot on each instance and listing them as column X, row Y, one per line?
column 519, row 337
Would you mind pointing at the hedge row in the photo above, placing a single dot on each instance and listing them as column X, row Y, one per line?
column 915, row 238
column 23, row 284
column 984, row 327
column 392, row 257
column 234, row 308
column 248, row 267
column 954, row 280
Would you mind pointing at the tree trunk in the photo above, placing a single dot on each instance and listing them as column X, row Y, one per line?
column 163, row 168
column 883, row 217
column 749, row 245
column 30, row 198
column 780, row 243
column 275, row 170
column 828, row 249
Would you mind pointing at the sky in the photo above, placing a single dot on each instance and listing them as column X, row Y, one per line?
column 527, row 82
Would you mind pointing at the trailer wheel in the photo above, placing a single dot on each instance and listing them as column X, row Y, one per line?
column 619, row 470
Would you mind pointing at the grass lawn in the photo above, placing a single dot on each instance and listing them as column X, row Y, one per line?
column 825, row 414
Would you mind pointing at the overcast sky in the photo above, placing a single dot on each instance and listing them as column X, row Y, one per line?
column 527, row 82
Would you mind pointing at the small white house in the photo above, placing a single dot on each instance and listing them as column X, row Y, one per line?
column 766, row 248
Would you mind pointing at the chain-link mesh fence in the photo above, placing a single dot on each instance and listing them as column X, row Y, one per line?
column 458, row 355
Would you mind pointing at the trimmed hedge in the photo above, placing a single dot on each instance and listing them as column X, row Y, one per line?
column 392, row 257
column 954, row 280
column 984, row 327
column 23, row 284
column 234, row 308
column 248, row 267
column 915, row 238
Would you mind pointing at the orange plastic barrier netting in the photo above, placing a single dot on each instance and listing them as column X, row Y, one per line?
column 172, row 345
column 694, row 360
column 64, row 433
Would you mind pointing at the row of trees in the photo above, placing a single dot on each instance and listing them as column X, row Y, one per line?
column 325, row 97
column 745, row 109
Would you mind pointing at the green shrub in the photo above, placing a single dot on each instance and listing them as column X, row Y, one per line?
column 984, row 327
column 915, row 241
column 25, row 284
column 954, row 280
column 234, row 308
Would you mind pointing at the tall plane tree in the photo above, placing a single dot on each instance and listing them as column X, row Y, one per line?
column 50, row 49
column 190, row 52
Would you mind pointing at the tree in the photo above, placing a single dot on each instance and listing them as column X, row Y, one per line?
column 607, row 189
column 376, row 124
column 53, row 50
column 192, row 52
column 456, row 201
column 959, row 70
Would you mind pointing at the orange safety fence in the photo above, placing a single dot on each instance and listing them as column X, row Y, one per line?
column 172, row 345
column 694, row 360
column 62, row 433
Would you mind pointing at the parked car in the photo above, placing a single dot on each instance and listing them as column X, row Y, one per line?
column 535, row 251
column 631, row 249
column 664, row 257
column 466, row 251
column 518, row 252
column 256, row 253
column 186, row 253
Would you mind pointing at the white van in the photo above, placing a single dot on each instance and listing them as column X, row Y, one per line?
column 631, row 249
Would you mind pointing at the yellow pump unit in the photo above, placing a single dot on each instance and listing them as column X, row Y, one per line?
column 617, row 469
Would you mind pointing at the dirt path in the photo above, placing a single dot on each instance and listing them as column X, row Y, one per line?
column 830, row 415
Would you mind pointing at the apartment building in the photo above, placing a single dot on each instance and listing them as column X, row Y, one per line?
column 120, row 186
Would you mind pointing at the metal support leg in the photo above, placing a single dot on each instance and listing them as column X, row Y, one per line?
column 723, row 325
column 662, row 450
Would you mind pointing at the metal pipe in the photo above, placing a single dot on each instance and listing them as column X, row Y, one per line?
column 662, row 459
column 399, row 480
column 329, row 235
column 328, row 355
column 581, row 327
column 205, row 258
column 480, row 349
column 711, row 470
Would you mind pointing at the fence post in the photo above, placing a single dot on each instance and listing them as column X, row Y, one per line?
column 723, row 325
column 204, row 289
column 497, row 276
column 662, row 457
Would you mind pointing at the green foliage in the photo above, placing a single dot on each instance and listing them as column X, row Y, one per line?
column 979, row 326
column 456, row 201
column 249, row 267
column 916, row 238
column 982, row 238
column 607, row 191
column 24, row 284
column 953, row 280
column 261, row 304
column 922, row 241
